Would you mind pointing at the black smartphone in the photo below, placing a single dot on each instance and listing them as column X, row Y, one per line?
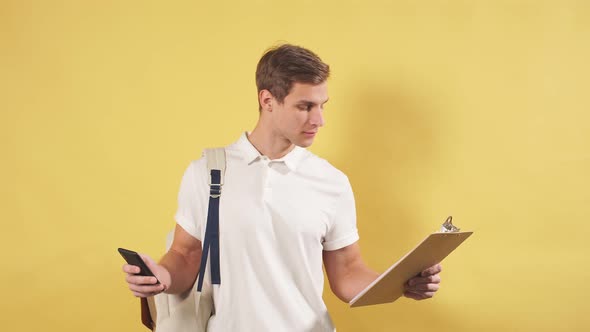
column 133, row 258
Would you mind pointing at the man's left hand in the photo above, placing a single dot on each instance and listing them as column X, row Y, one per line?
column 425, row 284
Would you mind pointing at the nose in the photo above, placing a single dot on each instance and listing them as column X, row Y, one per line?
column 316, row 117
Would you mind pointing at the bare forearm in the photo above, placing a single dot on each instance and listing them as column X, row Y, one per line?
column 353, row 282
column 183, row 270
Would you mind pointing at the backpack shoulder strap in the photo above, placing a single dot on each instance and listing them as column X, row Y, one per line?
column 215, row 160
column 216, row 170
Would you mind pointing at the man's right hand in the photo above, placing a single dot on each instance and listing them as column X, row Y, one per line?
column 142, row 286
column 180, row 262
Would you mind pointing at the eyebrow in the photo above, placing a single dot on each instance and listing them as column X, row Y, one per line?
column 309, row 102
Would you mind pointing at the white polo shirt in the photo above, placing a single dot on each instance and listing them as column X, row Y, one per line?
column 276, row 217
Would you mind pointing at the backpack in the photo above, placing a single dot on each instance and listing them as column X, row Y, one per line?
column 190, row 311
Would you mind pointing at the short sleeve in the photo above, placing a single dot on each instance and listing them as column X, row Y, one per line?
column 343, row 231
column 190, row 214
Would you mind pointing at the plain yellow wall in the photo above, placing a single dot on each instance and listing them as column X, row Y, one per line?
column 476, row 109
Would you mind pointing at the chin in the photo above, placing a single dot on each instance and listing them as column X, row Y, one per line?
column 304, row 143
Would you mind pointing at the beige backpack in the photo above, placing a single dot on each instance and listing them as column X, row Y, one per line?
column 190, row 312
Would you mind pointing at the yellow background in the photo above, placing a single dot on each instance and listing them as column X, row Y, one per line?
column 476, row 109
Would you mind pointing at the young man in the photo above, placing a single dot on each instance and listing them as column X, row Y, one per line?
column 283, row 212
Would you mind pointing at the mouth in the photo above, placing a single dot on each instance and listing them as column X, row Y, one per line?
column 310, row 133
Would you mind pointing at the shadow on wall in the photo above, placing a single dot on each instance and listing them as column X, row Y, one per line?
column 389, row 136
column 391, row 132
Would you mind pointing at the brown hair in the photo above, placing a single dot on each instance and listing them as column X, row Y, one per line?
column 286, row 64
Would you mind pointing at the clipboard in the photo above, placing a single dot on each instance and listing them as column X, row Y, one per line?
column 389, row 286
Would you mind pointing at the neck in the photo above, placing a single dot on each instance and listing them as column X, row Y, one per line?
column 269, row 143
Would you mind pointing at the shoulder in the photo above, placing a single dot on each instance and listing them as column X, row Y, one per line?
column 198, row 165
column 196, row 171
column 314, row 164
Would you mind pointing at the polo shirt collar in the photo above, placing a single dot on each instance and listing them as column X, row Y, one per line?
column 291, row 159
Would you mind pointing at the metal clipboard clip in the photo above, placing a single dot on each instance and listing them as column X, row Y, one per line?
column 448, row 227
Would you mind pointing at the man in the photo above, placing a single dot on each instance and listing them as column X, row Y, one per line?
column 284, row 212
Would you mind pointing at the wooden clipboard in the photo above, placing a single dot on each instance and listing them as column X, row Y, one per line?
column 389, row 286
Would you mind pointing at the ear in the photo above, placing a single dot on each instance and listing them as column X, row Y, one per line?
column 265, row 99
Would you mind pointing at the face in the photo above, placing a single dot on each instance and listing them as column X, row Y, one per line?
column 300, row 116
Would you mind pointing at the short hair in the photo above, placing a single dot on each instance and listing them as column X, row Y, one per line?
column 283, row 65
